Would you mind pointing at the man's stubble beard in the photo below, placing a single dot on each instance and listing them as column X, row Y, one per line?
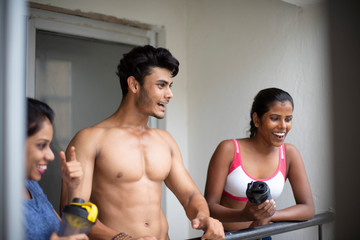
column 144, row 101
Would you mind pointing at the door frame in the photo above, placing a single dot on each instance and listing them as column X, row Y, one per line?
column 72, row 24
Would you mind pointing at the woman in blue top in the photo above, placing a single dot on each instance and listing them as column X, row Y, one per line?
column 41, row 221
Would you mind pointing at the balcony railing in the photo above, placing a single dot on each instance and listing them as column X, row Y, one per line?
column 280, row 227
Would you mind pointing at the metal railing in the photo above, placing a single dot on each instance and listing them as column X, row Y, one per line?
column 280, row 227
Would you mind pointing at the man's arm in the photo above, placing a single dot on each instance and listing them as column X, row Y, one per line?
column 195, row 205
column 86, row 152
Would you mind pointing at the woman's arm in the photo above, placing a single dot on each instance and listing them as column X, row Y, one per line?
column 216, row 178
column 304, row 208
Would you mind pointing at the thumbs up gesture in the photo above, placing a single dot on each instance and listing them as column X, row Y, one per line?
column 71, row 170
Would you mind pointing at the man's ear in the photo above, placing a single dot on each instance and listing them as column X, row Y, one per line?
column 133, row 84
column 256, row 119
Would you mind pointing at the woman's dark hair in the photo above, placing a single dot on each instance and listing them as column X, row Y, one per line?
column 37, row 112
column 263, row 101
column 140, row 61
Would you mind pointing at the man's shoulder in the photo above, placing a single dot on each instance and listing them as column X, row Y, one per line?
column 162, row 133
column 88, row 131
column 90, row 134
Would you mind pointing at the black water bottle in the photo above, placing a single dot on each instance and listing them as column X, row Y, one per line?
column 258, row 192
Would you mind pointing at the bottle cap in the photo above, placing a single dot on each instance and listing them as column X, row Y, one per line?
column 257, row 192
column 80, row 208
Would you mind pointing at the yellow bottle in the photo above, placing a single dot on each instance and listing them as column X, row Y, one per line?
column 78, row 217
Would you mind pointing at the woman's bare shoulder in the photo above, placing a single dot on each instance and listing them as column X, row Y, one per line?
column 227, row 145
column 224, row 151
column 292, row 154
column 291, row 149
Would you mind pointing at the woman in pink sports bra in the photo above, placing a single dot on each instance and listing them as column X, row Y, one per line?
column 262, row 157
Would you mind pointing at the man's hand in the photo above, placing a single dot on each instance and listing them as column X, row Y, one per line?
column 71, row 171
column 212, row 227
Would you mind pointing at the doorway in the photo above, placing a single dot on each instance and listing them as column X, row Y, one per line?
column 77, row 77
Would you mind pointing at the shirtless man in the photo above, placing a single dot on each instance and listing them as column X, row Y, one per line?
column 125, row 161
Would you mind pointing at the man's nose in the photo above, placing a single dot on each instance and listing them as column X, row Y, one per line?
column 169, row 94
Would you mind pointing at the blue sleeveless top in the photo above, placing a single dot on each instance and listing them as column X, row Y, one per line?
column 40, row 220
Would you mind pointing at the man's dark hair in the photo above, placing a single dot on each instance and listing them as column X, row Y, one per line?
column 37, row 112
column 263, row 101
column 140, row 61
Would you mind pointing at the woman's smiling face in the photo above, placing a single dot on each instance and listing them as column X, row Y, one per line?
column 38, row 151
column 276, row 123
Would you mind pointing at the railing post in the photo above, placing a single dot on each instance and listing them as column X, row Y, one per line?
column 320, row 232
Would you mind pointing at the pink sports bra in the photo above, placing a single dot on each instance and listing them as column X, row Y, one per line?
column 238, row 178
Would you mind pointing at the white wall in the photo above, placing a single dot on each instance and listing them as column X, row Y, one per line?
column 228, row 51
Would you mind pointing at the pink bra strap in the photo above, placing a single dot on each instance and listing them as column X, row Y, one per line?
column 237, row 157
column 282, row 162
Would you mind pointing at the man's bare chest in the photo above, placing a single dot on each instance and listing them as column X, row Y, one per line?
column 133, row 160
